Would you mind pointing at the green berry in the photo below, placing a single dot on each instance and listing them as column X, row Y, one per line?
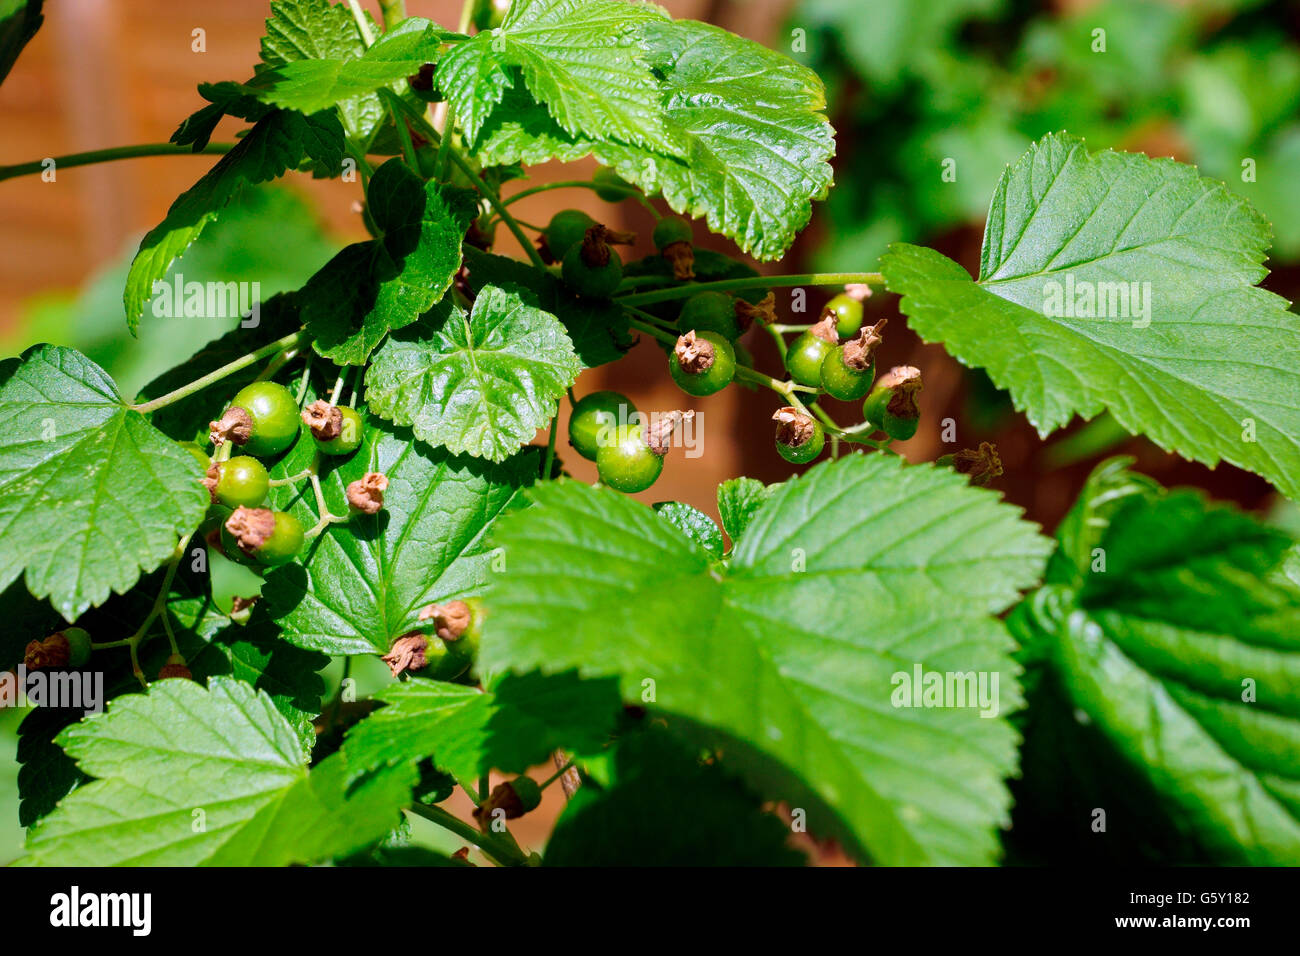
column 847, row 371
column 282, row 544
column 610, row 186
column 807, row 353
column 891, row 406
column 799, row 437
column 671, row 229
column 595, row 418
column 847, row 312
column 528, row 792
column 565, row 230
column 710, row 312
column 78, row 646
column 593, row 274
column 242, row 480
column 702, row 363
column 349, row 436
column 627, row 464
column 274, row 414
column 442, row 662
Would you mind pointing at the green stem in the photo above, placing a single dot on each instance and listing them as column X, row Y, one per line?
column 363, row 23
column 93, row 156
column 392, row 101
column 287, row 342
column 666, row 337
column 550, row 447
column 755, row 282
column 778, row 339
column 444, row 144
column 393, row 11
column 495, row 850
column 631, row 191
column 555, row 776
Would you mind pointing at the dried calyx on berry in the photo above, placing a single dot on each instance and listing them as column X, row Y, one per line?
column 408, row 653
column 450, row 620
column 799, row 437
column 423, row 80
column 236, row 426
column 69, row 647
column 860, row 351
column 514, row 797
column 694, row 354
column 981, row 464
column 859, row 291
column 672, row 237
column 324, row 420
column 747, row 313
column 251, row 527
column 366, row 494
column 891, row 406
column 659, row 434
column 175, row 666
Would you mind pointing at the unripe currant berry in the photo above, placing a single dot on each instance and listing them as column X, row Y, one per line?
column 891, row 406
column 610, row 186
column 672, row 237
column 847, row 372
column 671, row 229
column 703, row 363
column 262, row 417
column 799, row 437
column 591, row 268
column 241, row 480
column 594, row 419
column 513, row 798
column 78, row 646
column 628, row 464
column 335, row 429
column 565, row 230
column 175, row 666
column 806, row 355
column 710, row 312
column 261, row 535
column 847, row 312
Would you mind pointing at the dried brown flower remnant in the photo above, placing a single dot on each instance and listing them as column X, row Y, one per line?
column 366, row 494
column 860, row 350
column 793, row 427
column 250, row 527
column 515, row 797
column 449, row 620
column 858, row 290
column 53, row 652
column 324, row 420
column 747, row 314
column 825, row 329
column 982, row 464
column 595, row 246
column 175, row 667
column 681, row 256
column 407, row 653
column 235, row 425
column 694, row 354
column 423, row 80
column 903, row 381
column 659, row 434
column 210, row 479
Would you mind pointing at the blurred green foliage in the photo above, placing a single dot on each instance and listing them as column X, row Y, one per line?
column 966, row 85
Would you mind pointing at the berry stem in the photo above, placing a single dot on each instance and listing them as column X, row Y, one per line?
column 498, row 851
column 363, row 24
column 754, row 282
column 291, row 479
column 555, row 776
column 112, row 153
column 550, row 446
column 403, row 132
column 394, row 12
column 293, row 339
column 306, row 378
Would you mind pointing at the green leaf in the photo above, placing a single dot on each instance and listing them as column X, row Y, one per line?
column 91, row 494
column 582, row 58
column 317, row 84
column 480, row 384
column 19, row 21
column 373, row 287
column 755, row 142
column 224, row 99
column 1206, row 371
column 515, row 725
column 739, row 499
column 299, row 30
column 360, row 586
column 180, row 748
column 693, row 523
column 278, row 142
column 859, row 570
column 665, row 808
column 1183, row 653
column 598, row 329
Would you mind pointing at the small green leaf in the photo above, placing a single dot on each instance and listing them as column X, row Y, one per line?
column 373, row 287
column 276, row 143
column 480, row 384
column 360, row 586
column 91, row 494
column 693, row 523
column 1110, row 281
column 738, row 501
column 859, row 570
column 1179, row 646
column 163, row 756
